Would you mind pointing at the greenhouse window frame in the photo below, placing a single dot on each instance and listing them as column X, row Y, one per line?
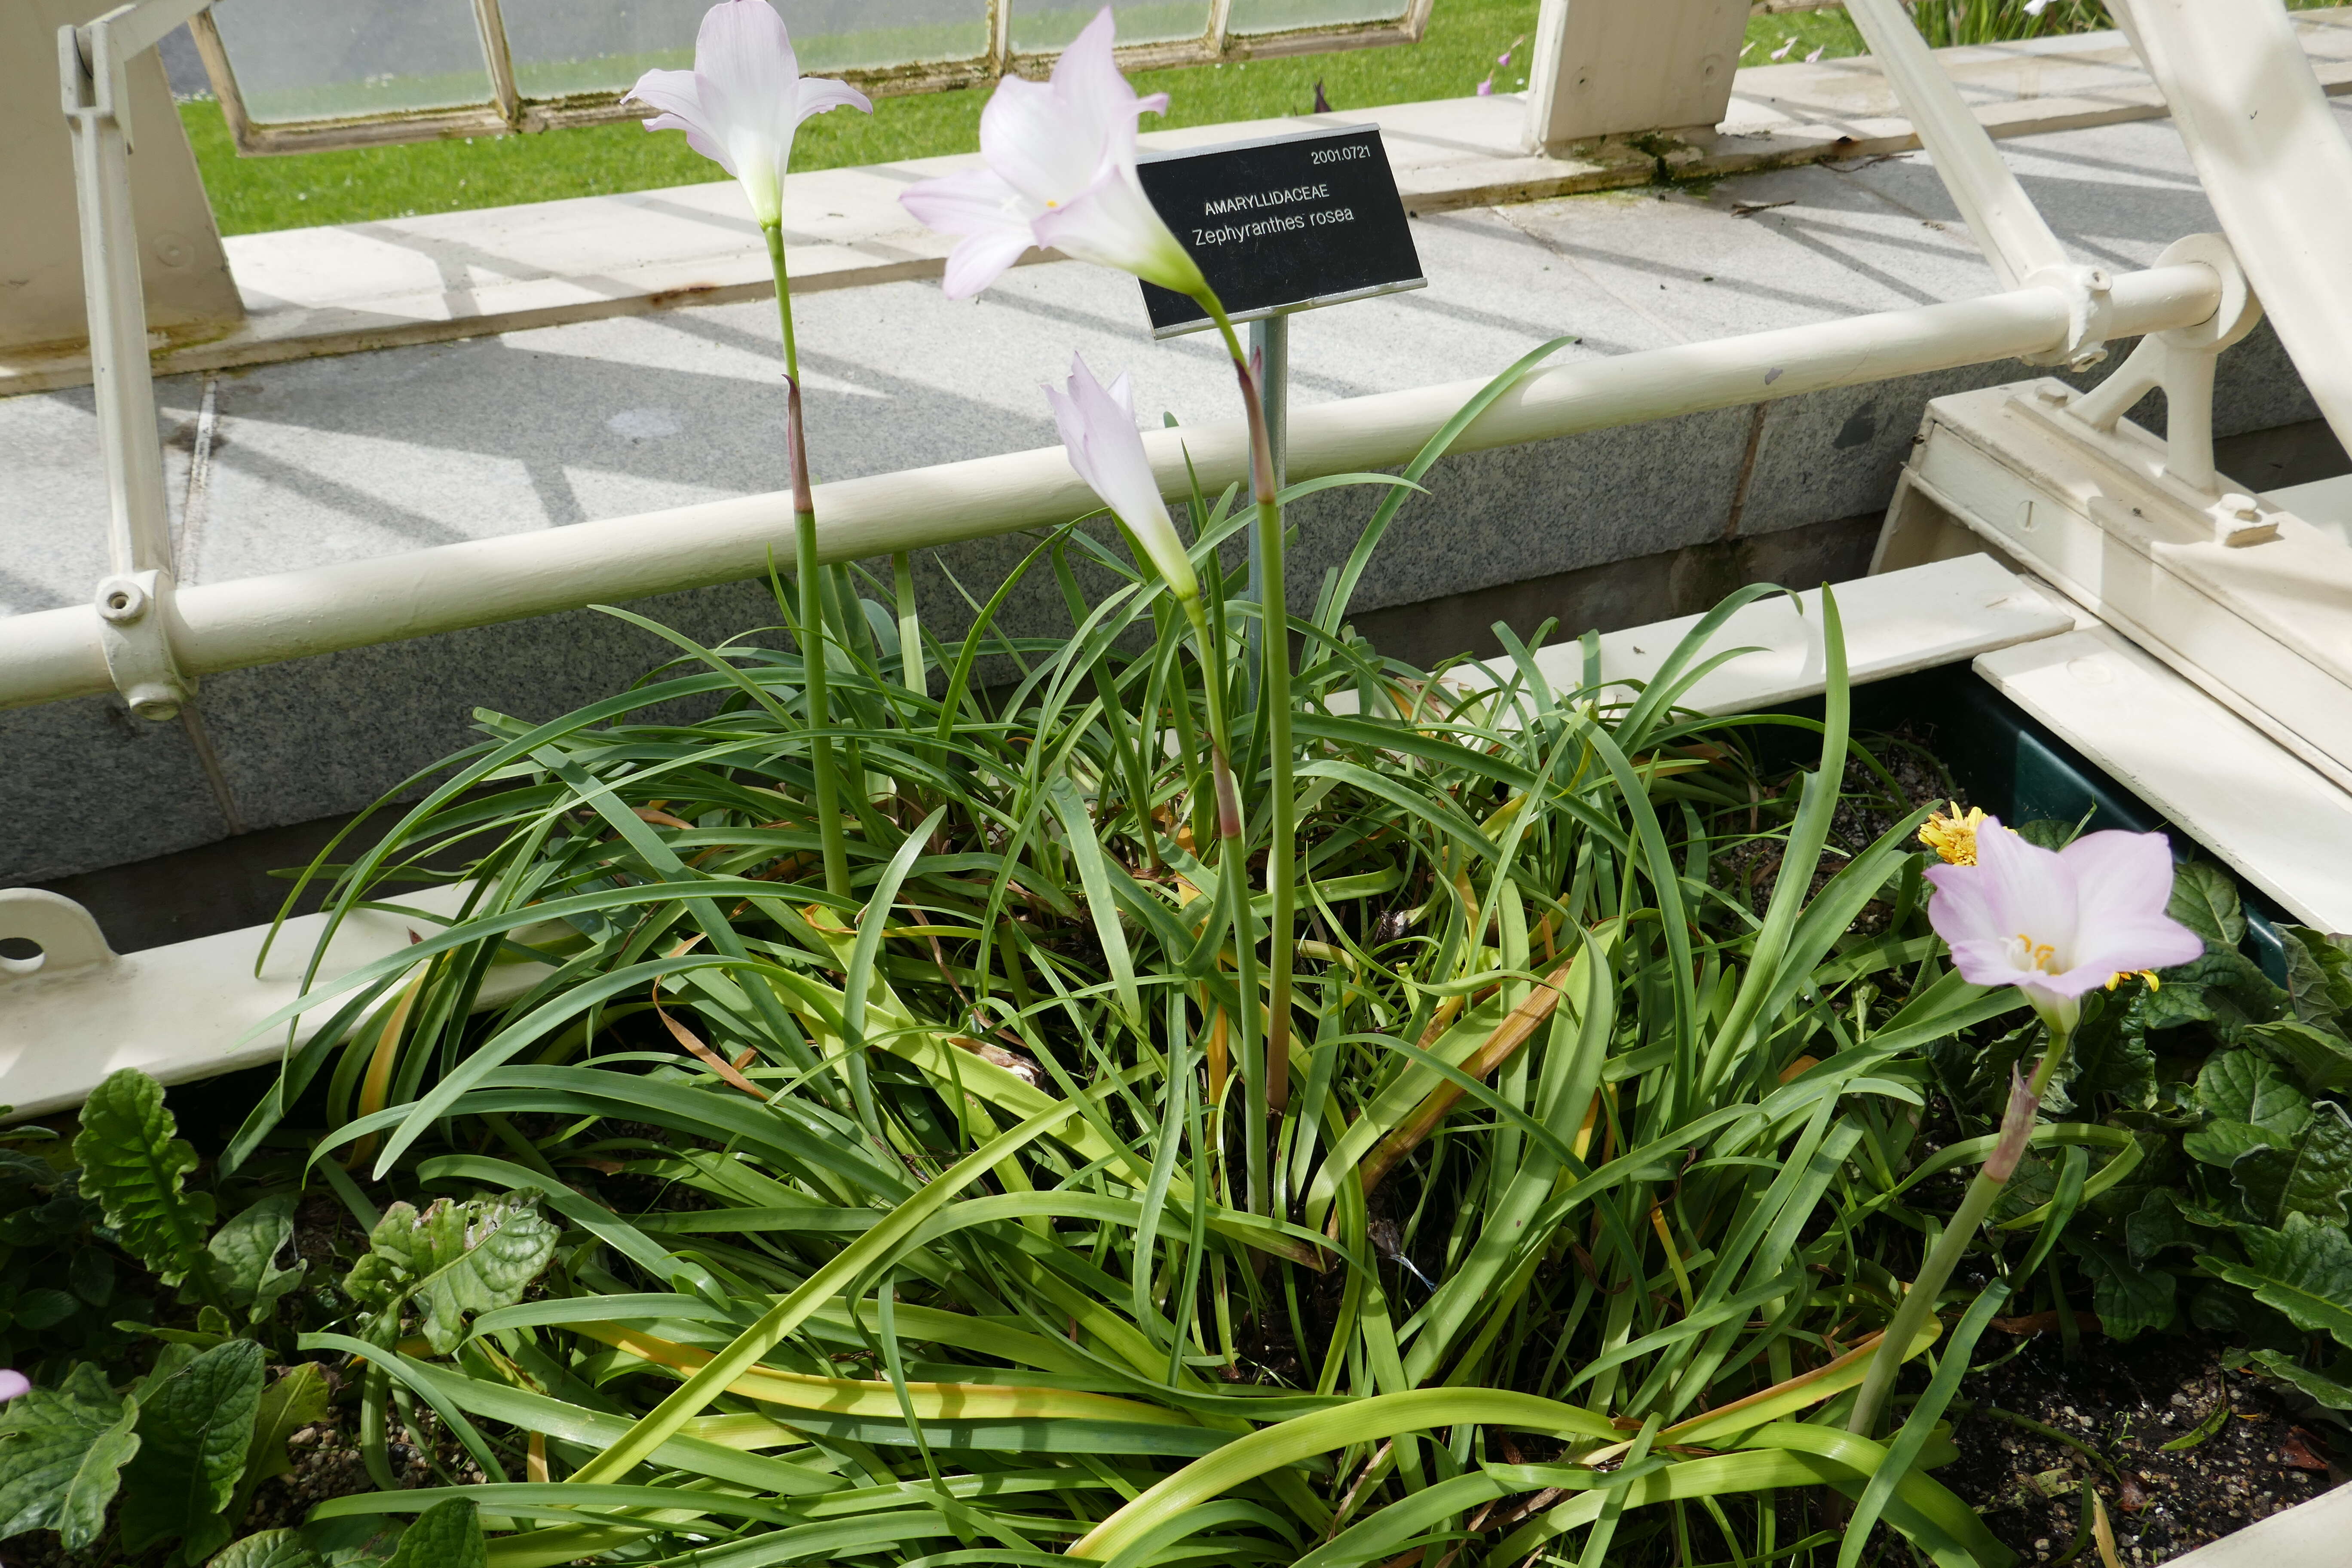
column 508, row 112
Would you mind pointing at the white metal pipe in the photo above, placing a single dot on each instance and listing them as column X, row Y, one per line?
column 138, row 535
column 250, row 621
column 2007, row 228
column 2274, row 163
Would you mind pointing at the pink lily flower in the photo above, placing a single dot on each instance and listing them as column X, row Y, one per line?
column 744, row 101
column 14, row 1385
column 2057, row 923
column 1060, row 174
column 1099, row 431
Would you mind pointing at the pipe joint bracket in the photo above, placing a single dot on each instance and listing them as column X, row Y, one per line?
column 133, row 608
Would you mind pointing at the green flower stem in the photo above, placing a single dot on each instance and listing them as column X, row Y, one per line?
column 911, row 625
column 813, row 620
column 1268, row 1065
column 1919, row 1300
column 1232, row 867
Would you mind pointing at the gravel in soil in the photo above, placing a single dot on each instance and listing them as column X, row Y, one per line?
column 2246, row 1452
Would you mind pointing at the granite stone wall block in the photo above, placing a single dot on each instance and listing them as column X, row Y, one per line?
column 87, row 783
column 334, row 733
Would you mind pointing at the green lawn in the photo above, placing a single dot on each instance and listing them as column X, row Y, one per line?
column 1464, row 37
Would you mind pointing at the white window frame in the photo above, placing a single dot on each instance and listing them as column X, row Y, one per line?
column 508, row 112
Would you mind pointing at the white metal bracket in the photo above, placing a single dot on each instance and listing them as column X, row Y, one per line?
column 2100, row 514
column 134, row 617
column 66, row 933
column 2089, row 295
column 2180, row 361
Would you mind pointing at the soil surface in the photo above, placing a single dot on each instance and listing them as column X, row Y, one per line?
column 2250, row 1453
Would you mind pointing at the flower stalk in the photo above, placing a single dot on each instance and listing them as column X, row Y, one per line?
column 1984, row 1191
column 1266, row 1063
column 813, row 617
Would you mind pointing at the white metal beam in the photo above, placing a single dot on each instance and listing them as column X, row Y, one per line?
column 2274, row 163
column 217, row 626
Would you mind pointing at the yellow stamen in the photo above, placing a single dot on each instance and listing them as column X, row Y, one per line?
column 2147, row 975
column 1954, row 837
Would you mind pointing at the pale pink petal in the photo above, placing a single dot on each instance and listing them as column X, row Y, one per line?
column 979, row 260
column 673, row 92
column 1114, row 224
column 2028, row 890
column 1098, row 427
column 14, row 1385
column 1029, row 135
column 986, row 212
column 1960, row 912
column 1087, row 78
column 975, row 201
column 2126, row 881
column 819, row 93
column 743, row 61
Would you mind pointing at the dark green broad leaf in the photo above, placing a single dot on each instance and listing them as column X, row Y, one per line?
column 2156, row 1224
column 2225, row 989
column 2046, row 833
column 2224, row 1143
column 2304, row 1268
column 195, row 1429
column 61, row 1456
column 45, row 1308
column 2311, row 1178
column 2321, row 1058
column 91, row 1274
column 2318, row 972
column 269, row 1548
column 2159, row 1169
column 449, row 1259
column 2245, row 1086
column 2128, row 1298
column 2327, row 1389
column 2205, row 900
column 446, row 1535
column 244, row 1255
column 133, row 1162
column 2110, row 1053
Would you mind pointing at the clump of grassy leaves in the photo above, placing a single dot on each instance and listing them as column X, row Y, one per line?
column 713, row 1215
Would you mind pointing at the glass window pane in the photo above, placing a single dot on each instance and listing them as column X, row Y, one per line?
column 327, row 59
column 562, row 46
column 1284, row 15
column 1042, row 24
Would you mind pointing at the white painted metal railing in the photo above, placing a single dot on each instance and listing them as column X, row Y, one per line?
column 258, row 620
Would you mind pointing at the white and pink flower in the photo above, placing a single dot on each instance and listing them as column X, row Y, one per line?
column 1097, row 426
column 2058, row 922
column 744, row 100
column 1058, row 172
